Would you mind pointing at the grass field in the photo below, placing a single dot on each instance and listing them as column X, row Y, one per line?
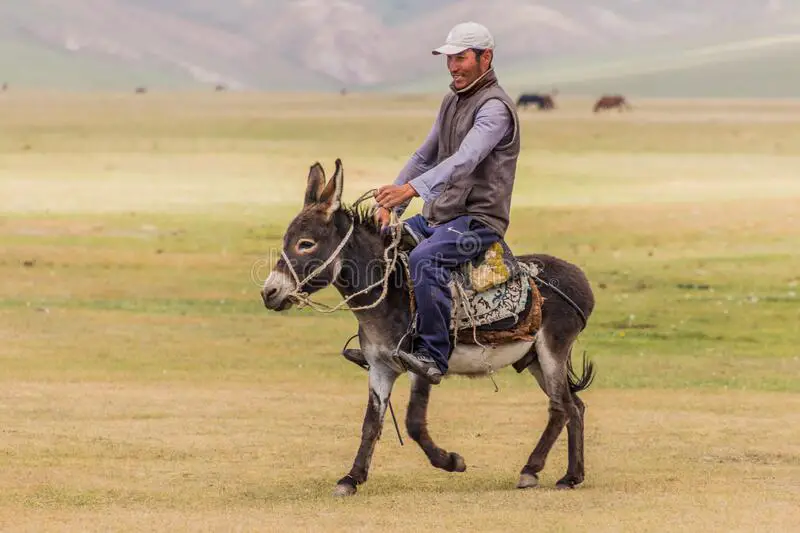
column 144, row 387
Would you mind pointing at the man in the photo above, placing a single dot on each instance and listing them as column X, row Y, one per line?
column 464, row 172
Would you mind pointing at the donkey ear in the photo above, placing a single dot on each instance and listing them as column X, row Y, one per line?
column 331, row 197
column 316, row 182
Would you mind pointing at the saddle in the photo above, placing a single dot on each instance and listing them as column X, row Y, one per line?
column 495, row 297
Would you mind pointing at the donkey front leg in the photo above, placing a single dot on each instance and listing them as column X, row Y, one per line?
column 417, row 426
column 381, row 381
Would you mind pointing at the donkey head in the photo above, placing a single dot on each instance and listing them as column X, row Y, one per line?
column 310, row 242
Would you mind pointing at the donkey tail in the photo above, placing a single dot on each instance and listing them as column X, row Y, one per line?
column 582, row 382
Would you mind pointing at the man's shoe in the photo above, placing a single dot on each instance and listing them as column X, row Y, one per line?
column 421, row 364
column 355, row 355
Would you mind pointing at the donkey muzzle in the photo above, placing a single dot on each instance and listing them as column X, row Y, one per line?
column 276, row 291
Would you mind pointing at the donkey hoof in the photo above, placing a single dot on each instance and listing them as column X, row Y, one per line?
column 567, row 483
column 457, row 463
column 344, row 489
column 528, row 481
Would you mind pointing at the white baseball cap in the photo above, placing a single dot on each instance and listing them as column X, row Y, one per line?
column 465, row 36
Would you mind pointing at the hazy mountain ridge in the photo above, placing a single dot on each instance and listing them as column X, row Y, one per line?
column 327, row 44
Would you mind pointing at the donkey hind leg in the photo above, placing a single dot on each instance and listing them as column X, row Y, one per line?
column 575, row 466
column 551, row 372
column 381, row 381
column 417, row 426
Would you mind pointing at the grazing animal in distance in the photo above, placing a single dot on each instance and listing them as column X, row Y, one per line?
column 543, row 102
column 611, row 101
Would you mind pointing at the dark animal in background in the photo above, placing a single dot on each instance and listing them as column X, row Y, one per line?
column 219, row 88
column 611, row 101
column 5, row 87
column 141, row 90
column 543, row 102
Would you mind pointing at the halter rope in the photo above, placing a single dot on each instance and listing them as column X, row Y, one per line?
column 303, row 299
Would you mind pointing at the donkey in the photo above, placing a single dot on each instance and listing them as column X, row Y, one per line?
column 329, row 243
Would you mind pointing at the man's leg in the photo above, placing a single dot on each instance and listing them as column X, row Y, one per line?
column 449, row 245
column 419, row 227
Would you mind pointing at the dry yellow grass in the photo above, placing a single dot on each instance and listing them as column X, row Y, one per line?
column 143, row 388
column 113, row 457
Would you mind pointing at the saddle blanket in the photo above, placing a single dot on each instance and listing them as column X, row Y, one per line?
column 494, row 298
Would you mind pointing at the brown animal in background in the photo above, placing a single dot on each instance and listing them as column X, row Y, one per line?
column 612, row 101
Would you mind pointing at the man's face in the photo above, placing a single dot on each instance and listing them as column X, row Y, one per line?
column 466, row 67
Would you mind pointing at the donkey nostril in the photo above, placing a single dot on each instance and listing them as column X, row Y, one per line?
column 266, row 294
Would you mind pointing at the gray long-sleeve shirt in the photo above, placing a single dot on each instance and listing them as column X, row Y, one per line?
column 492, row 123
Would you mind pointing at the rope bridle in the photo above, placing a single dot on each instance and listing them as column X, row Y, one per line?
column 303, row 298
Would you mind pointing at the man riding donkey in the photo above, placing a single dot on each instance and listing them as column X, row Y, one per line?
column 464, row 172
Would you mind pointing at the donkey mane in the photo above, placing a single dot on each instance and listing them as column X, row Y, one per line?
column 363, row 216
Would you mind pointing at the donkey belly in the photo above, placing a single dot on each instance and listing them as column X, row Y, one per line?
column 469, row 359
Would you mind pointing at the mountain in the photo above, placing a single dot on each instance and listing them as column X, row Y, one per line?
column 647, row 46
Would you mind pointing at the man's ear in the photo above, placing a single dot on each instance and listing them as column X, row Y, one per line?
column 486, row 59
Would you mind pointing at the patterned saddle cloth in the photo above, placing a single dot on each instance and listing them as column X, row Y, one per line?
column 494, row 298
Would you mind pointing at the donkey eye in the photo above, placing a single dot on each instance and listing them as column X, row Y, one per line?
column 305, row 245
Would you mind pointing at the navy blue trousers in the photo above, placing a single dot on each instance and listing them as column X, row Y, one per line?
column 442, row 249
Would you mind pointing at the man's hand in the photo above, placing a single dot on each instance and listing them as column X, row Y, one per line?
column 384, row 217
column 390, row 196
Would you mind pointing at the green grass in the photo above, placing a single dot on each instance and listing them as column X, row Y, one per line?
column 144, row 385
column 647, row 208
